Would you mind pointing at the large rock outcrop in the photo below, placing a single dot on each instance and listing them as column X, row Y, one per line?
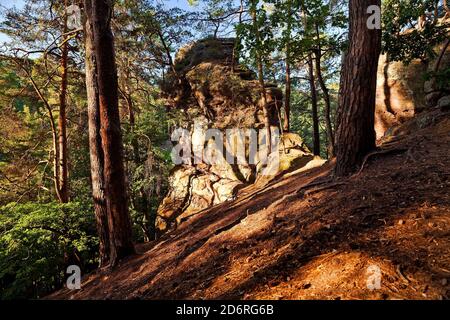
column 403, row 91
column 207, row 88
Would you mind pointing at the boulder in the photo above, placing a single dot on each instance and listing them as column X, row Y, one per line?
column 404, row 90
column 430, row 86
column 399, row 93
column 444, row 103
column 432, row 98
column 211, row 90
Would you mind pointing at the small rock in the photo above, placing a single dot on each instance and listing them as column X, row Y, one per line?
column 430, row 85
column 432, row 224
column 426, row 215
column 306, row 286
column 444, row 102
column 400, row 222
column 432, row 98
column 444, row 281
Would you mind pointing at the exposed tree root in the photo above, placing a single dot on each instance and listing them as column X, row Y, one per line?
column 329, row 186
column 378, row 152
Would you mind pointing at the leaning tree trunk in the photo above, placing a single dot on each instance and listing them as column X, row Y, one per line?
column 355, row 135
column 326, row 98
column 62, row 138
column 119, row 222
column 446, row 8
column 315, row 113
column 95, row 142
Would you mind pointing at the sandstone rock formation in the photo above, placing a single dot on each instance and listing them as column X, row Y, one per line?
column 209, row 89
column 403, row 91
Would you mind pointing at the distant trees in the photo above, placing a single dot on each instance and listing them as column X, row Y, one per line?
column 36, row 30
column 312, row 83
column 298, row 49
column 259, row 50
column 355, row 135
column 48, row 126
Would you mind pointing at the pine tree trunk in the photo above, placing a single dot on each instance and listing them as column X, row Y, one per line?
column 95, row 143
column 287, row 98
column 62, row 135
column 326, row 98
column 262, row 86
column 447, row 9
column 355, row 135
column 315, row 113
column 55, row 144
column 119, row 222
column 287, row 93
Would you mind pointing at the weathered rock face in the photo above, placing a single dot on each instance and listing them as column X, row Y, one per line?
column 213, row 91
column 399, row 93
column 403, row 91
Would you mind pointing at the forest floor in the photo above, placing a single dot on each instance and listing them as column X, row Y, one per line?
column 304, row 237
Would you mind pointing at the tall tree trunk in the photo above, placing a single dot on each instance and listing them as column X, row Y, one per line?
column 262, row 84
column 235, row 57
column 287, row 92
column 119, row 222
column 355, row 135
column 95, row 142
column 62, row 135
column 126, row 94
column 312, row 85
column 315, row 113
column 326, row 98
column 287, row 97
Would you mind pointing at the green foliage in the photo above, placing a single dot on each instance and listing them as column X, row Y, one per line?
column 262, row 46
column 403, row 39
column 442, row 78
column 38, row 241
column 301, row 118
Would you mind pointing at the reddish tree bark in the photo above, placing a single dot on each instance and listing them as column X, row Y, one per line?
column 95, row 142
column 120, row 237
column 62, row 122
column 355, row 135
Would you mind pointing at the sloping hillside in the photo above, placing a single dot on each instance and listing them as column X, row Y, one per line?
column 305, row 236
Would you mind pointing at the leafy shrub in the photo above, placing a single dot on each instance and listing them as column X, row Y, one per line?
column 38, row 241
